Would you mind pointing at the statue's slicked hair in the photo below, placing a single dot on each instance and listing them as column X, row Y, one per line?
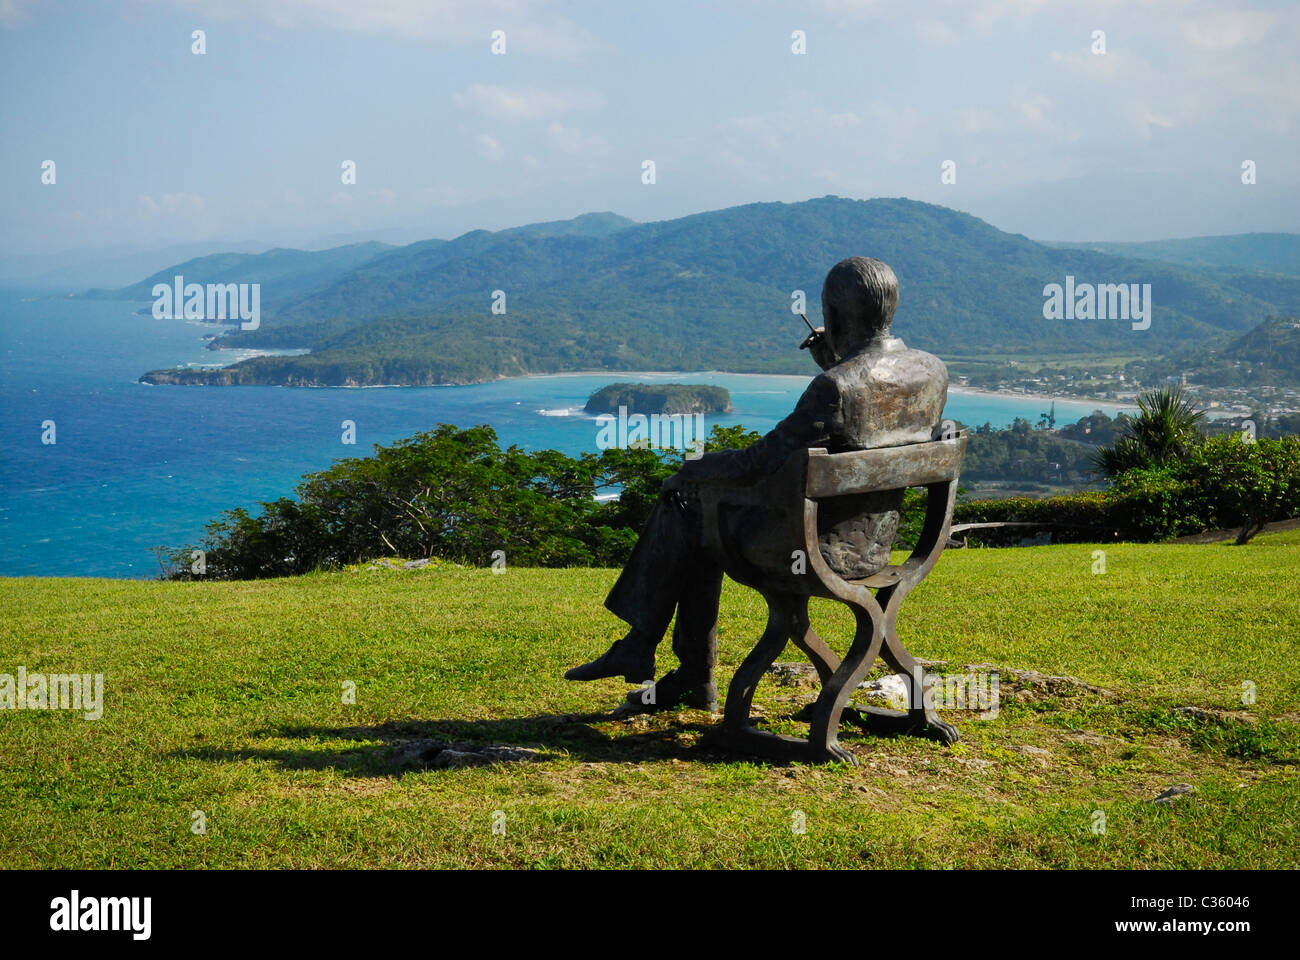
column 859, row 298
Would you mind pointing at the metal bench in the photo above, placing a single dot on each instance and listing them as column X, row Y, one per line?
column 760, row 557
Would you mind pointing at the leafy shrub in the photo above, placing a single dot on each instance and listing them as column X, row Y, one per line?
column 1223, row 482
column 456, row 495
column 448, row 493
column 1245, row 484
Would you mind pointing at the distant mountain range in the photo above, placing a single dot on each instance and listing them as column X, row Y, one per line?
column 1262, row 252
column 285, row 275
column 714, row 291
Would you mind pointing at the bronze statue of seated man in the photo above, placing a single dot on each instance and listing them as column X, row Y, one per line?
column 874, row 392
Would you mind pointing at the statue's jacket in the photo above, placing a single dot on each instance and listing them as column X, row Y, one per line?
column 885, row 395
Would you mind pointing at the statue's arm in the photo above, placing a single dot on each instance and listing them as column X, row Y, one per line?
column 809, row 425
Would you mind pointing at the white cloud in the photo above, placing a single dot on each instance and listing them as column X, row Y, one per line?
column 851, row 8
column 976, row 120
column 1040, row 115
column 771, row 147
column 934, row 20
column 1035, row 109
column 170, row 204
column 488, row 147
column 1147, row 119
column 936, row 33
column 1226, row 29
column 13, row 13
column 525, row 103
column 442, row 196
column 529, row 29
column 570, row 140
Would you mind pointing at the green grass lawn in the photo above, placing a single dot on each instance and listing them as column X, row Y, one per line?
column 227, row 698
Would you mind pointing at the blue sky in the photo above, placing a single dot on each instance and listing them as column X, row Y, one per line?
column 155, row 145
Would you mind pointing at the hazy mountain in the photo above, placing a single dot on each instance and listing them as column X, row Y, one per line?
column 284, row 274
column 714, row 290
column 79, row 269
column 1264, row 252
column 395, row 236
column 1268, row 354
column 585, row 225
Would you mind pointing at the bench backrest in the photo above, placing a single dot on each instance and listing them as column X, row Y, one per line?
column 883, row 468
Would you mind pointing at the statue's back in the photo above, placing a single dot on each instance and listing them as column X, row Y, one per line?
column 889, row 396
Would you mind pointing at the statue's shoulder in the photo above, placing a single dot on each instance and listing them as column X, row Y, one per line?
column 895, row 347
column 930, row 362
column 916, row 364
column 889, row 358
column 825, row 388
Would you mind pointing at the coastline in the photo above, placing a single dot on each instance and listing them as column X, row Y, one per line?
column 1110, row 406
column 1107, row 405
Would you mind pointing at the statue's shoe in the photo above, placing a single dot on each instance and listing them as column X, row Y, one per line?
column 632, row 667
column 671, row 691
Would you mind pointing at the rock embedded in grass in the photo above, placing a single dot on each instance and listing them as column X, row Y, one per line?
column 441, row 755
column 1177, row 790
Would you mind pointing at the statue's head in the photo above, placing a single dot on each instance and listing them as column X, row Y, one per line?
column 858, row 302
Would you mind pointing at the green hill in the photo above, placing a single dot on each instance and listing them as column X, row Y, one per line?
column 1267, row 355
column 1273, row 343
column 283, row 273
column 245, row 721
column 665, row 398
column 584, row 225
column 687, row 293
column 1263, row 252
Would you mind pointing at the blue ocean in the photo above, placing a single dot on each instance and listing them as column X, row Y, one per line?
column 136, row 466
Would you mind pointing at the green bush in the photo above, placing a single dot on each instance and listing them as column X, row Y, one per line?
column 1223, row 482
column 447, row 493
column 456, row 495
column 1080, row 517
column 1245, row 484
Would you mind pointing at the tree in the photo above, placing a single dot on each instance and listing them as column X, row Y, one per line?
column 453, row 494
column 1253, row 482
column 1166, row 427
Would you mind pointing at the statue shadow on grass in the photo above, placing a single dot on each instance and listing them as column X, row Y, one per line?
column 397, row 748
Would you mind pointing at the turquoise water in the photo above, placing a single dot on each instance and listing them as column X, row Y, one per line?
column 135, row 466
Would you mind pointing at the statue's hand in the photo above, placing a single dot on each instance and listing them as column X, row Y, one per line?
column 815, row 343
column 683, row 486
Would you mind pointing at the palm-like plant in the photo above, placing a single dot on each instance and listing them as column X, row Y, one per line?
column 1167, row 424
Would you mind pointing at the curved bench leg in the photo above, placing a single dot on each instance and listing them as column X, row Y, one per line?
column 736, row 732
column 740, row 695
column 814, row 647
column 921, row 718
column 823, row 731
